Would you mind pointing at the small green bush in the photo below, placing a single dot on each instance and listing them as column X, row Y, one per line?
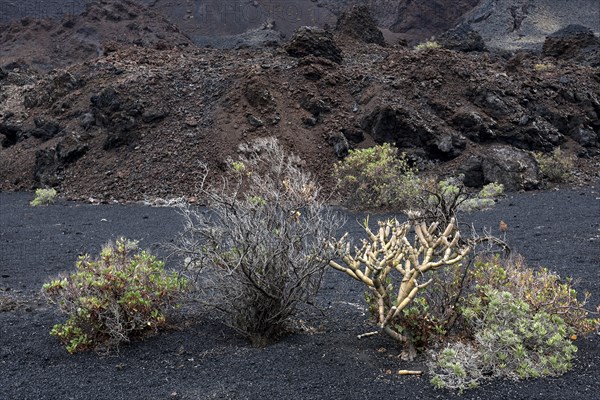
column 44, row 197
column 458, row 367
column 521, row 322
column 541, row 289
column 512, row 341
column 556, row 166
column 376, row 178
column 124, row 293
column 428, row 45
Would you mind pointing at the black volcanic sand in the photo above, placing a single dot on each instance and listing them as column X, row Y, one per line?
column 202, row 359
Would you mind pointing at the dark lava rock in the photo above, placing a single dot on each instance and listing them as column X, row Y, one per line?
column 515, row 169
column 12, row 134
column 462, row 38
column 354, row 134
column 574, row 42
column 45, row 129
column 50, row 163
column 340, row 144
column 472, row 171
column 2, row 74
column 446, row 146
column 314, row 41
column 585, row 136
column 473, row 125
column 118, row 115
column 396, row 125
column 358, row 23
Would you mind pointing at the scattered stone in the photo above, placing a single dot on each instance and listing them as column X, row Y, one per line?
column 151, row 116
column 339, row 143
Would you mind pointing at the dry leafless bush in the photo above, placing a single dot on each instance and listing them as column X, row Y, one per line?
column 260, row 249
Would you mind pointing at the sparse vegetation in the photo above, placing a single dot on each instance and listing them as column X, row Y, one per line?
column 44, row 197
column 556, row 166
column 261, row 252
column 521, row 322
column 542, row 67
column 376, row 178
column 428, row 45
column 449, row 196
column 511, row 341
column 122, row 294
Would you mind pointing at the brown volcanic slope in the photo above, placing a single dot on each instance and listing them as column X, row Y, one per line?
column 101, row 27
column 135, row 122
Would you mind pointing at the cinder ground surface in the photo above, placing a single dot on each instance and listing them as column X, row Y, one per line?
column 202, row 359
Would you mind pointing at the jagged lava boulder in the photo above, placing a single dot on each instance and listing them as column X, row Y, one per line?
column 318, row 42
column 358, row 23
column 574, row 42
column 462, row 38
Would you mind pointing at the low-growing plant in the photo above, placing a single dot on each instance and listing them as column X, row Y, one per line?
column 377, row 177
column 541, row 289
column 122, row 294
column 428, row 45
column 542, row 67
column 521, row 321
column 44, row 197
column 459, row 366
column 511, row 341
column 556, row 166
column 260, row 252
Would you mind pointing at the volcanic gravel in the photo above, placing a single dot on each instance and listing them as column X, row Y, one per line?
column 202, row 359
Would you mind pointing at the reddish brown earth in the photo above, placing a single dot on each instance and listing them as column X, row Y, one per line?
column 134, row 122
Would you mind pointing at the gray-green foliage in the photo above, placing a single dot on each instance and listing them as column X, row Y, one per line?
column 511, row 341
column 377, row 177
column 452, row 191
column 44, row 197
column 555, row 166
column 261, row 250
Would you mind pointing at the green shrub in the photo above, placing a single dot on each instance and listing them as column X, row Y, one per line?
column 541, row 289
column 511, row 341
column 122, row 294
column 458, row 367
column 428, row 45
column 449, row 197
column 377, row 177
column 521, row 323
column 44, row 197
column 556, row 166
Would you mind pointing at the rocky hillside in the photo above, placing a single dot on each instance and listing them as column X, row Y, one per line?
column 133, row 120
